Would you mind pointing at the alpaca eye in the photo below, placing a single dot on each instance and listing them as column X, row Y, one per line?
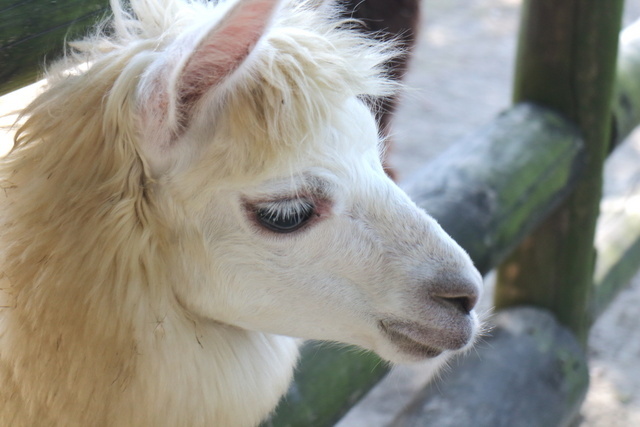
column 284, row 216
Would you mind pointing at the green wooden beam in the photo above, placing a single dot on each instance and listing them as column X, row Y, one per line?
column 328, row 382
column 32, row 33
column 566, row 61
column 492, row 188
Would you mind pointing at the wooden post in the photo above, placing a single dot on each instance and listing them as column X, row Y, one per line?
column 566, row 61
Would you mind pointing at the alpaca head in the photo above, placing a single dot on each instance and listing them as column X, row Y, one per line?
column 241, row 133
column 266, row 165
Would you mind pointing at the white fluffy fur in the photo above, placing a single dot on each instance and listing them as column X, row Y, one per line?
column 142, row 291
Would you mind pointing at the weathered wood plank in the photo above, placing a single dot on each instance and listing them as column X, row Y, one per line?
column 32, row 32
column 530, row 372
column 491, row 189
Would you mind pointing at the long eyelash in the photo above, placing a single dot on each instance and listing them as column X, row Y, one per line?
column 285, row 208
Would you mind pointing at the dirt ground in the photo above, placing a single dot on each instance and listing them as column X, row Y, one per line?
column 460, row 78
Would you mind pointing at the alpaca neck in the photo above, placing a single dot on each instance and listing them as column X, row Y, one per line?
column 211, row 371
column 136, row 361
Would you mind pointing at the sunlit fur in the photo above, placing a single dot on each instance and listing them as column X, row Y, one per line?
column 141, row 292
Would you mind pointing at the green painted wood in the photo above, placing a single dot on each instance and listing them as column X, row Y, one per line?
column 491, row 189
column 32, row 33
column 566, row 61
column 329, row 380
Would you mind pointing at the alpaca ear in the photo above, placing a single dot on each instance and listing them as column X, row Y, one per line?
column 194, row 65
column 221, row 51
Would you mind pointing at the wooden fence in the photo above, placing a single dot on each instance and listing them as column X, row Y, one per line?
column 521, row 195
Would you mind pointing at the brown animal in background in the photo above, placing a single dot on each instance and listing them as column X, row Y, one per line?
column 386, row 20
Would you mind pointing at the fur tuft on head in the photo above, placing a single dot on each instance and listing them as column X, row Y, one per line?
column 169, row 64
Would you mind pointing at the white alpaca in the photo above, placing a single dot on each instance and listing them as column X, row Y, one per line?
column 208, row 187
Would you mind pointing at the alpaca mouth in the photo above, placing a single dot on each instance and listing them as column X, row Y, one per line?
column 406, row 344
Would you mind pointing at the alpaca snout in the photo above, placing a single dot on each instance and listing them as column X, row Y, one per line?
column 449, row 306
column 438, row 317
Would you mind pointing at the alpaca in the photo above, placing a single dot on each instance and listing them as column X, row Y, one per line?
column 198, row 189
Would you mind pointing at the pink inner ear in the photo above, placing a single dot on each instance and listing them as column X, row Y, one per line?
column 222, row 51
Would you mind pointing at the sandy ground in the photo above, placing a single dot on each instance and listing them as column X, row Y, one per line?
column 460, row 78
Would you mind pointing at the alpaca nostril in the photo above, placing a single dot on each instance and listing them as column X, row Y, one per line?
column 455, row 292
column 464, row 304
